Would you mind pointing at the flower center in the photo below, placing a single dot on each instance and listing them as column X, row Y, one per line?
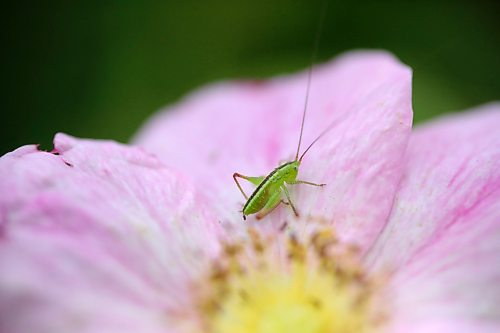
column 316, row 287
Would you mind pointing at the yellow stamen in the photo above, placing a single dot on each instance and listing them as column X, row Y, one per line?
column 319, row 288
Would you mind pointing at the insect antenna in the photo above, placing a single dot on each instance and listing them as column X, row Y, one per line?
column 309, row 73
column 326, row 130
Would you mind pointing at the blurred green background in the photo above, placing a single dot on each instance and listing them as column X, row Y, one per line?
column 100, row 68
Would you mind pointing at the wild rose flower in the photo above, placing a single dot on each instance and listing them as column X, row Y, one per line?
column 101, row 237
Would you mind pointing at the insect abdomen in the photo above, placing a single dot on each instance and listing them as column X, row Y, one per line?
column 263, row 192
column 258, row 199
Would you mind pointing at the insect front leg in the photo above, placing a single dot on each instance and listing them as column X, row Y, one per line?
column 254, row 180
column 289, row 200
column 304, row 182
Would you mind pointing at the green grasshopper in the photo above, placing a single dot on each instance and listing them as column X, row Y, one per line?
column 268, row 194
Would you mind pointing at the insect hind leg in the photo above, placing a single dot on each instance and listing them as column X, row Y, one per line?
column 267, row 210
column 271, row 205
column 254, row 180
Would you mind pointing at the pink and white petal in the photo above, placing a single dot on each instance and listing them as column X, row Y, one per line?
column 447, row 326
column 443, row 238
column 250, row 127
column 97, row 236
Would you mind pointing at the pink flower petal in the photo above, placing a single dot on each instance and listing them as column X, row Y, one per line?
column 96, row 237
column 249, row 127
column 448, row 326
column 443, row 237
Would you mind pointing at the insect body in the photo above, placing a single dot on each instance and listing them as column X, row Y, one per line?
column 269, row 192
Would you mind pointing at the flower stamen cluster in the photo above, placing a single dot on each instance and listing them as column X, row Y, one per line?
column 317, row 286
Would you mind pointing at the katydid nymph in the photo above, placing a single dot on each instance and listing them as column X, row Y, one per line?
column 271, row 188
